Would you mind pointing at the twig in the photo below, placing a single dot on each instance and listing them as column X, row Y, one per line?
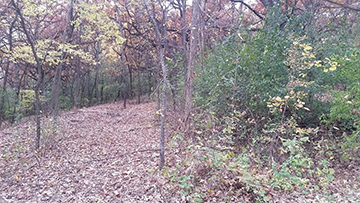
column 129, row 153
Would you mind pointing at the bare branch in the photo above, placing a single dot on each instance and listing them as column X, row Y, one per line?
column 343, row 5
column 249, row 7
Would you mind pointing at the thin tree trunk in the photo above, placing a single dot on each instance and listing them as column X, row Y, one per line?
column 97, row 93
column 138, row 87
column 17, row 84
column 77, row 84
column 84, row 89
column 131, row 82
column 122, row 57
column 102, row 91
column 3, row 93
column 148, row 74
column 90, row 89
column 2, row 101
column 54, row 99
column 39, row 70
column 157, row 83
column 149, row 85
column 163, row 95
column 183, row 36
column 190, row 71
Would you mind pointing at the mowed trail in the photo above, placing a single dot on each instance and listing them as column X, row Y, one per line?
column 98, row 154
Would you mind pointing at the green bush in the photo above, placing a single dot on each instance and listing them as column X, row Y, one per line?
column 242, row 75
column 8, row 97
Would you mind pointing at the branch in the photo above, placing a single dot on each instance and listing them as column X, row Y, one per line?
column 249, row 7
column 343, row 5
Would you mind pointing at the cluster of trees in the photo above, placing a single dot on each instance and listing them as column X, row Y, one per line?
column 294, row 73
column 280, row 104
column 69, row 54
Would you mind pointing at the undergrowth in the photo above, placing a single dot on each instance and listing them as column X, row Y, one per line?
column 239, row 156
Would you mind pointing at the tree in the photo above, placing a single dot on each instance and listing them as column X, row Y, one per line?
column 159, row 38
column 66, row 37
column 191, row 61
column 38, row 65
column 7, row 62
column 122, row 55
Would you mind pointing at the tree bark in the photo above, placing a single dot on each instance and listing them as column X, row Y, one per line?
column 122, row 57
column 190, row 71
column 183, row 36
column 97, row 69
column 2, row 101
column 3, row 93
column 90, row 89
column 138, row 87
column 39, row 79
column 163, row 95
column 16, row 87
column 77, row 84
column 130, row 83
column 55, row 92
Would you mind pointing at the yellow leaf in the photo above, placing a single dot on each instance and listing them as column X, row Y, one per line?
column 307, row 47
column 326, row 70
column 332, row 68
column 278, row 99
column 17, row 178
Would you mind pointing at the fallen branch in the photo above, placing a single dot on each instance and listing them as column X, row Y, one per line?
column 125, row 154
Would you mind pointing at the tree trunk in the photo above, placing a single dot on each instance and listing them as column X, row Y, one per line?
column 2, row 101
column 130, row 83
column 190, row 71
column 97, row 67
column 83, row 89
column 138, row 87
column 90, row 89
column 149, row 85
column 39, row 70
column 148, row 74
column 122, row 57
column 55, row 92
column 17, row 84
column 3, row 93
column 157, row 83
column 163, row 95
column 77, row 84
column 102, row 99
column 183, row 36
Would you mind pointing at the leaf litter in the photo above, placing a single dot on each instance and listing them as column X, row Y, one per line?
column 103, row 154
column 99, row 154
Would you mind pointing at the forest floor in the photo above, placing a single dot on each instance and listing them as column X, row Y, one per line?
column 99, row 154
column 106, row 154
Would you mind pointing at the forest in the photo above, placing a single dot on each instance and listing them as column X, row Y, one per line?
column 180, row 100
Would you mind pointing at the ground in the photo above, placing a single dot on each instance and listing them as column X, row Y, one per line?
column 98, row 154
column 110, row 154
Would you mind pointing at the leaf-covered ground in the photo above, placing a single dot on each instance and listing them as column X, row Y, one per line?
column 109, row 154
column 98, row 154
